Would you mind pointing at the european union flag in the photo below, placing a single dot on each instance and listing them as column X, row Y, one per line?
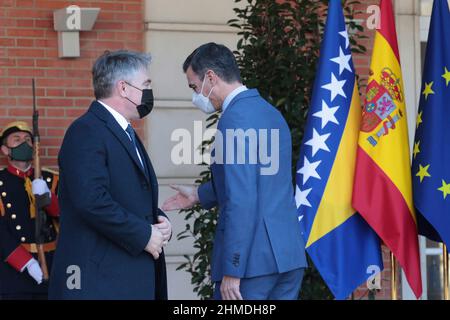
column 431, row 155
column 345, row 250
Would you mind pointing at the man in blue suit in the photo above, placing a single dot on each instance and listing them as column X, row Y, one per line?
column 112, row 232
column 258, row 249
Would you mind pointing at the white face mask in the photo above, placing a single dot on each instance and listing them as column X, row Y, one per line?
column 202, row 102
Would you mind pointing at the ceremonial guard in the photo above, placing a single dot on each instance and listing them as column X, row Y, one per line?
column 28, row 217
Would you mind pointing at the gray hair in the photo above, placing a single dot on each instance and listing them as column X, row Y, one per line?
column 114, row 66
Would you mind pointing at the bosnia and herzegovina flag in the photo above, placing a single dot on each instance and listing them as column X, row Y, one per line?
column 431, row 155
column 383, row 192
column 343, row 247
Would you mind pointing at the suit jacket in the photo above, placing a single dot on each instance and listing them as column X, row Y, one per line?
column 257, row 231
column 108, row 203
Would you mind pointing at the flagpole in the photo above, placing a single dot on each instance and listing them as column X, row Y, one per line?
column 393, row 277
column 445, row 257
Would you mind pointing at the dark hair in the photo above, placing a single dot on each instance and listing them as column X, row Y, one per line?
column 216, row 57
column 116, row 65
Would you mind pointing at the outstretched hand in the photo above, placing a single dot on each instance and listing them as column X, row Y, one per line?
column 186, row 197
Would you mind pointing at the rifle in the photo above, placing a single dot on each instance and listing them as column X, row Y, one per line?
column 41, row 201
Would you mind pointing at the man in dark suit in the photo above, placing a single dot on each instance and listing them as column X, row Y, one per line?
column 112, row 232
column 258, row 249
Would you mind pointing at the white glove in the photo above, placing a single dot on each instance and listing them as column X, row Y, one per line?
column 40, row 187
column 34, row 270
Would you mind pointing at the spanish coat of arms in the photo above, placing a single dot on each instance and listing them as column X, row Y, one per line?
column 380, row 107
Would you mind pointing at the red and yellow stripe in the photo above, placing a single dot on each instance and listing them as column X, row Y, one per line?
column 383, row 187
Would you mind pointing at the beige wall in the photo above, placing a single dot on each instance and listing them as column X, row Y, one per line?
column 174, row 28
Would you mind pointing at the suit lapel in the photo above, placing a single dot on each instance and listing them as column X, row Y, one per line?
column 118, row 132
column 151, row 174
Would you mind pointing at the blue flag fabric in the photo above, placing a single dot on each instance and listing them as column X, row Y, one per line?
column 345, row 250
column 431, row 153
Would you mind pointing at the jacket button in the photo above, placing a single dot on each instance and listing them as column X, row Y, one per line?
column 3, row 194
column 1, row 183
column 8, row 205
column 23, row 239
column 18, row 227
column 13, row 216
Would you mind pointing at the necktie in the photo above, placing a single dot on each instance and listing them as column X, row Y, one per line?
column 132, row 134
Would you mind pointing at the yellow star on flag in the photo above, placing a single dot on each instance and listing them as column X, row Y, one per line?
column 423, row 172
column 419, row 119
column 445, row 189
column 416, row 148
column 428, row 89
column 446, row 76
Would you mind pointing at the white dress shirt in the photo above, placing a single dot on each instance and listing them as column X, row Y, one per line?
column 123, row 123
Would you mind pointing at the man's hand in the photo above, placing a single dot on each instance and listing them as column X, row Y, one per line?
column 155, row 244
column 229, row 288
column 34, row 270
column 165, row 227
column 186, row 197
column 39, row 187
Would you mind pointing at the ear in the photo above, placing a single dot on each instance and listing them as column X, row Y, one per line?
column 212, row 77
column 121, row 88
column 5, row 150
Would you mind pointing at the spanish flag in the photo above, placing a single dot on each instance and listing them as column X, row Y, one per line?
column 382, row 191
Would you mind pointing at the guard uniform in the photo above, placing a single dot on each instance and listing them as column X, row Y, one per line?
column 17, row 232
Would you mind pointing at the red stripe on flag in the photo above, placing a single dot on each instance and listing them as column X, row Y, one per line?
column 387, row 26
column 386, row 211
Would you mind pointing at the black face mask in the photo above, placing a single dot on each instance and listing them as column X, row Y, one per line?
column 147, row 102
column 22, row 152
column 146, row 105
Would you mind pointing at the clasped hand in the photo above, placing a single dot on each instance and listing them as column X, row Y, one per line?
column 161, row 234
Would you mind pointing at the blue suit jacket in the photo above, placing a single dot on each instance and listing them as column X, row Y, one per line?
column 108, row 203
column 258, row 231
